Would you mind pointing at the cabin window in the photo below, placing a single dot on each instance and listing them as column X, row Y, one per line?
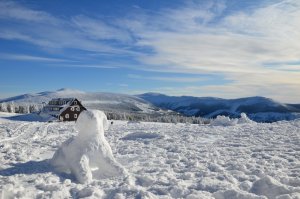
column 61, row 118
column 75, row 102
column 78, row 109
column 67, row 116
column 75, row 116
column 72, row 108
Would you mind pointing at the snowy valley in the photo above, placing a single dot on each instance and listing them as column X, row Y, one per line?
column 227, row 159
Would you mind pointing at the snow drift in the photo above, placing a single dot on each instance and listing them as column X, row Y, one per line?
column 88, row 155
column 226, row 121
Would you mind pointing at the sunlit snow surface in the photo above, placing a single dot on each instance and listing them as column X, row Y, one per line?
column 246, row 160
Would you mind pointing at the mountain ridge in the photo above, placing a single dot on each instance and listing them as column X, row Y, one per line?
column 209, row 107
column 257, row 108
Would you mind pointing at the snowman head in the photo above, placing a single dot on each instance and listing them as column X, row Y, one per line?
column 91, row 122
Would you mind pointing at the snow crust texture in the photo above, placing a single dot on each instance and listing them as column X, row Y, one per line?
column 244, row 160
column 88, row 155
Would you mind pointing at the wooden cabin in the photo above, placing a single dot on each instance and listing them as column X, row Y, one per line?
column 64, row 109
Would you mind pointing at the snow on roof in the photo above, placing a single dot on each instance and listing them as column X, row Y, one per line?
column 67, row 105
column 62, row 99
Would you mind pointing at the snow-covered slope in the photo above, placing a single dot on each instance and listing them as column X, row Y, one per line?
column 223, row 160
column 91, row 100
column 257, row 107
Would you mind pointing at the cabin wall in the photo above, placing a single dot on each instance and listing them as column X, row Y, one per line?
column 72, row 112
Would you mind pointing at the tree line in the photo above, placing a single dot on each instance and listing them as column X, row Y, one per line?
column 11, row 107
column 166, row 118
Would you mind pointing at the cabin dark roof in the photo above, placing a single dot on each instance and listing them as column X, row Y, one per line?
column 57, row 105
column 60, row 101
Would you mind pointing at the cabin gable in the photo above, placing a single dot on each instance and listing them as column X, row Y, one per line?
column 71, row 113
column 64, row 109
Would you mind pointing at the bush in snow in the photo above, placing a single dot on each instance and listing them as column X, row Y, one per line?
column 11, row 107
column 3, row 107
column 88, row 155
column 18, row 108
column 24, row 109
column 33, row 108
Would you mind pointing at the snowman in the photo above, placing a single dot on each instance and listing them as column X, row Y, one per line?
column 88, row 155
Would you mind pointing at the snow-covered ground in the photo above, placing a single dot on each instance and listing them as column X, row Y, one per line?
column 224, row 160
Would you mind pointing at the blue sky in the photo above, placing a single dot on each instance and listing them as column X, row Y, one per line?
column 220, row 48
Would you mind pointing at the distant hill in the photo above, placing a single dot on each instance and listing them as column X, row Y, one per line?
column 93, row 100
column 258, row 108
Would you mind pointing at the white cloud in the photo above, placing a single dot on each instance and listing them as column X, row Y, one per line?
column 12, row 10
column 168, row 78
column 101, row 66
column 97, row 29
column 229, row 91
column 239, row 46
column 47, row 31
column 20, row 57
column 266, row 34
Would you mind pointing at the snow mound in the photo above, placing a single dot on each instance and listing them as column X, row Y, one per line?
column 244, row 119
column 141, row 135
column 88, row 155
column 235, row 194
column 223, row 121
column 226, row 121
column 270, row 187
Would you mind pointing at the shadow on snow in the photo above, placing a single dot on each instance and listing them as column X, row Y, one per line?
column 31, row 117
column 33, row 167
